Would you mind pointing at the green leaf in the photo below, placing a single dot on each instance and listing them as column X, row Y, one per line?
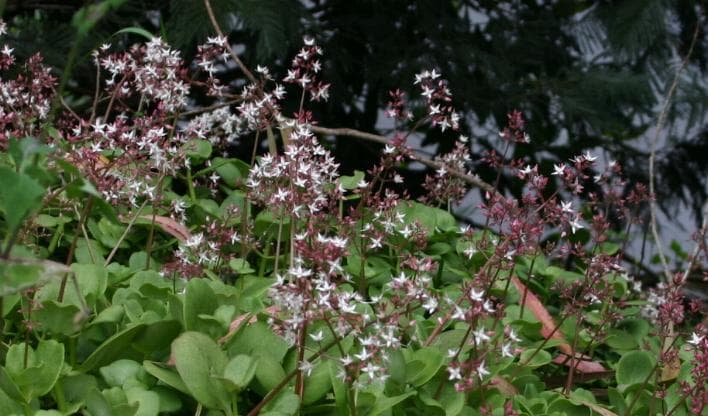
column 210, row 207
column 19, row 195
column 115, row 347
column 199, row 299
column 617, row 400
column 118, row 402
column 57, row 318
column 18, row 276
column 9, row 387
column 239, row 371
column 169, row 399
column 559, row 273
column 92, row 280
column 267, row 225
column 120, row 371
column 112, row 314
column 423, row 366
column 430, row 218
column 384, row 403
column 620, row 340
column 167, row 376
column 397, row 367
column 634, row 367
column 609, row 248
column 231, row 171
column 241, row 266
column 48, row 221
column 351, row 182
column 198, row 149
column 8, row 406
column 43, row 367
column 285, row 404
column 76, row 388
column 50, row 354
column 317, row 384
column 148, row 401
column 156, row 336
column 24, row 150
column 258, row 338
column 566, row 407
column 136, row 31
column 540, row 358
column 97, row 404
column 198, row 360
column 269, row 373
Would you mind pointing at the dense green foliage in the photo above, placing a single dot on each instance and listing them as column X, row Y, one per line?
column 179, row 234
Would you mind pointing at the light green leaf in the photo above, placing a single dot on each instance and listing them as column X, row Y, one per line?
column 199, row 360
column 120, row 371
column 634, row 367
column 352, row 182
column 540, row 358
column 239, row 371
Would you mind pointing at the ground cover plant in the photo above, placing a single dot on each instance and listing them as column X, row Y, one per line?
column 147, row 271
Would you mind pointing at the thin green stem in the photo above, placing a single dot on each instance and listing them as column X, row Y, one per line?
column 190, row 186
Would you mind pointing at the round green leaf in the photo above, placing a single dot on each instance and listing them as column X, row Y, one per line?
column 198, row 149
column 352, row 182
column 118, row 372
column 241, row 266
column 634, row 367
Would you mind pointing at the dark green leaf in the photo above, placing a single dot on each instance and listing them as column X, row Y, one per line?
column 19, row 195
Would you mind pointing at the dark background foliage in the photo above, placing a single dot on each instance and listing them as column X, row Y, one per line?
column 587, row 75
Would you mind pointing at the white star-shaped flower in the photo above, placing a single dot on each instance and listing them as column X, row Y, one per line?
column 695, row 339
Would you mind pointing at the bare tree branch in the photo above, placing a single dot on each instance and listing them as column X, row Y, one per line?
column 219, row 32
column 470, row 179
column 652, row 154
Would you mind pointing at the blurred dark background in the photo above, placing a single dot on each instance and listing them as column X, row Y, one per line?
column 588, row 75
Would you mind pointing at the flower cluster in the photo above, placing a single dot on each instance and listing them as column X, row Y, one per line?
column 25, row 100
column 219, row 127
column 397, row 106
column 302, row 181
column 696, row 390
column 259, row 109
column 438, row 100
column 207, row 55
column 153, row 71
column 514, row 130
column 305, row 69
column 212, row 247
column 122, row 156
